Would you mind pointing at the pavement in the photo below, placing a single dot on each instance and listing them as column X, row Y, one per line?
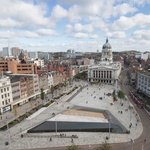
column 87, row 97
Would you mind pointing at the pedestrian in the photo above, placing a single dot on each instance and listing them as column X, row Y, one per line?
column 72, row 140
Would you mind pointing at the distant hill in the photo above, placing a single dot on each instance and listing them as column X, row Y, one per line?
column 130, row 51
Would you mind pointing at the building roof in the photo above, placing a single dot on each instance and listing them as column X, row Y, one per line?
column 107, row 45
column 21, row 56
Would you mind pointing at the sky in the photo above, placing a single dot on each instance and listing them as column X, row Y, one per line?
column 82, row 25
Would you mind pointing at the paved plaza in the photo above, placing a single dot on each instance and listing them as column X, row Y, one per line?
column 87, row 97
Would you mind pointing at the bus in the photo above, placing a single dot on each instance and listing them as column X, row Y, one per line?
column 139, row 103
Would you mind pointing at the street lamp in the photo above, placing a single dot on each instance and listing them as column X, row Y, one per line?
column 132, row 142
column 109, row 127
column 143, row 144
column 56, row 126
column 130, row 108
column 8, row 143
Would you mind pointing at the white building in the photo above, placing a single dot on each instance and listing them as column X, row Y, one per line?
column 38, row 62
column 106, row 71
column 50, row 80
column 5, row 94
column 143, row 82
column 145, row 55
column 70, row 53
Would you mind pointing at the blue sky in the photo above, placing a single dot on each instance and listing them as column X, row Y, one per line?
column 82, row 25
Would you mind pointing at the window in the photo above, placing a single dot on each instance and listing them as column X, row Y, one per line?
column 6, row 101
column 4, row 89
column 1, row 90
column 8, row 94
column 7, row 88
column 2, row 96
column 5, row 95
column 2, row 102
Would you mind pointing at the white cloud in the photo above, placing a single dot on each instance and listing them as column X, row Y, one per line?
column 6, row 35
column 125, row 23
column 98, row 23
column 74, row 13
column 141, row 35
column 10, row 23
column 116, row 34
column 80, row 35
column 83, row 28
column 123, row 9
column 94, row 36
column 46, row 32
column 84, row 35
column 28, row 34
column 58, row 12
column 68, row 28
column 140, row 2
column 27, row 14
column 104, row 9
column 84, row 20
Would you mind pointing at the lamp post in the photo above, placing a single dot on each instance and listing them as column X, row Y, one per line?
column 56, row 126
column 109, row 127
column 130, row 108
column 142, row 146
column 8, row 143
column 132, row 142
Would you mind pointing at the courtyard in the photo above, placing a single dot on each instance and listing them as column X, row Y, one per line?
column 91, row 97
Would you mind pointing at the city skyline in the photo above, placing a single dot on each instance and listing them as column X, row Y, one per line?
column 82, row 25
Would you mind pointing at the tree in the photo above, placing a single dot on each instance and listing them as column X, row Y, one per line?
column 31, row 103
column 52, row 90
column 104, row 146
column 121, row 95
column 82, row 75
column 15, row 110
column 70, row 81
column 73, row 147
column 65, row 84
column 59, row 87
column 42, row 94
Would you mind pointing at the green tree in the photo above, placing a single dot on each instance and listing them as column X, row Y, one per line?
column 70, row 81
column 82, row 75
column 121, row 94
column 42, row 95
column 15, row 110
column 72, row 147
column 52, row 90
column 31, row 103
column 104, row 146
column 65, row 84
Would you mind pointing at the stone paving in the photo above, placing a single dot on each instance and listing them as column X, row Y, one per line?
column 90, row 94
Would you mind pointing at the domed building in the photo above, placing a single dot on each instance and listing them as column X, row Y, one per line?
column 107, row 52
column 107, row 71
